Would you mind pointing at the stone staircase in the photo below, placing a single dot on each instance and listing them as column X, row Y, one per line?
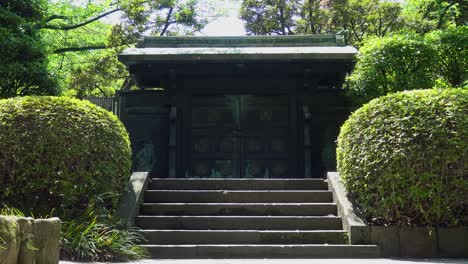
column 244, row 218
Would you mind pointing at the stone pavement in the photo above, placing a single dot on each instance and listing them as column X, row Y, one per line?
column 291, row 261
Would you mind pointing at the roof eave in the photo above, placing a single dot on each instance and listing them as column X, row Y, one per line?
column 149, row 55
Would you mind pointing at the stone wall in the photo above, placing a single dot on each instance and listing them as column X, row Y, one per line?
column 24, row 240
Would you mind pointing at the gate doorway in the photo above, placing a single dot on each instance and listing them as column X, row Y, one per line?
column 240, row 136
column 236, row 107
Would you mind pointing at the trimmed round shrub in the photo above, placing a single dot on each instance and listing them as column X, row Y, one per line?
column 62, row 154
column 404, row 158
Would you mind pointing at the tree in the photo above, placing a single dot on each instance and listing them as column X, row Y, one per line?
column 23, row 70
column 362, row 19
column 358, row 18
column 316, row 17
column 452, row 50
column 84, row 49
column 424, row 16
column 270, row 17
column 392, row 64
column 70, row 41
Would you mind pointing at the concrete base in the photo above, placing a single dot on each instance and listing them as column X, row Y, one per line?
column 394, row 241
column 133, row 197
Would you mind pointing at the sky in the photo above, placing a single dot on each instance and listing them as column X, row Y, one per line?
column 231, row 25
column 228, row 25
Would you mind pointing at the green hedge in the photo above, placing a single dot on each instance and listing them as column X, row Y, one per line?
column 62, row 154
column 404, row 157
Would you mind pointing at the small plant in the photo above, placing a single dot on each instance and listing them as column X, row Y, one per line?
column 100, row 238
column 5, row 210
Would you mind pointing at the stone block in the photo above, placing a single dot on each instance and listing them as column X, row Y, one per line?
column 27, row 252
column 418, row 242
column 47, row 240
column 453, row 242
column 387, row 238
column 9, row 244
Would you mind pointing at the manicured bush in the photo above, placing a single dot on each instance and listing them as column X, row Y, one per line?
column 59, row 154
column 404, row 157
column 392, row 64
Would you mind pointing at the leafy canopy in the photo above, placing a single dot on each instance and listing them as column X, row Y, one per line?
column 410, row 62
column 452, row 54
column 74, row 44
column 359, row 19
column 23, row 67
column 392, row 64
column 85, row 43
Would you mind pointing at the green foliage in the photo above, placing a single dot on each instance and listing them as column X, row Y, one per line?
column 100, row 238
column 23, row 68
column 5, row 210
column 452, row 51
column 359, row 19
column 423, row 16
column 392, row 64
column 404, row 157
column 61, row 153
column 270, row 17
column 74, row 44
column 362, row 19
column 83, row 50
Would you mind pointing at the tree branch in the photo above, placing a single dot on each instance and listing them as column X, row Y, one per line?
column 69, row 27
column 281, row 18
column 166, row 23
column 442, row 15
column 74, row 49
column 53, row 17
column 311, row 23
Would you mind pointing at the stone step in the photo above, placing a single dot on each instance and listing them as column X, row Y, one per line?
column 240, row 222
column 173, row 237
column 275, row 209
column 262, row 251
column 237, row 184
column 234, row 196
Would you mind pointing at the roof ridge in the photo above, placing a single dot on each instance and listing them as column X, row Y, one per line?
column 242, row 41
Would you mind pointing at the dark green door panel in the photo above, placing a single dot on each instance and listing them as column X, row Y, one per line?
column 240, row 136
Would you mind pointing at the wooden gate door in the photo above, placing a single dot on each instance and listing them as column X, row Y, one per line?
column 240, row 136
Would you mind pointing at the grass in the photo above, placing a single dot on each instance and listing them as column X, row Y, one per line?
column 100, row 238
